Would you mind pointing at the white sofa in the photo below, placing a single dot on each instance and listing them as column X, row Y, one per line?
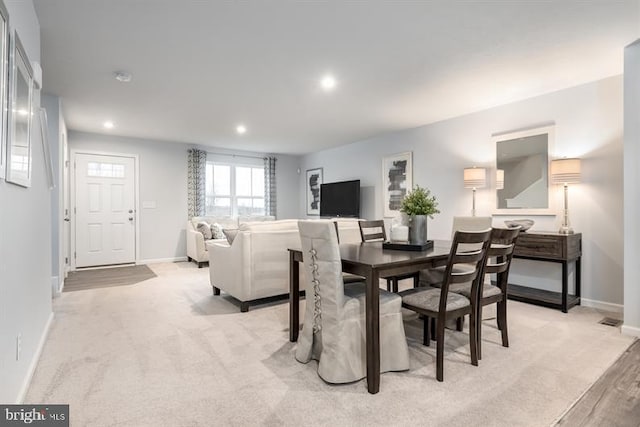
column 256, row 264
column 196, row 248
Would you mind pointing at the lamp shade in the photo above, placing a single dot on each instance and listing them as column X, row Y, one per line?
column 475, row 177
column 499, row 179
column 565, row 171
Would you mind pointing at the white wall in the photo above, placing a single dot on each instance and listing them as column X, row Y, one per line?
column 163, row 180
column 25, row 245
column 588, row 122
column 631, row 189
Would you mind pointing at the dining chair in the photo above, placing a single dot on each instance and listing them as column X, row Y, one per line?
column 500, row 254
column 433, row 276
column 439, row 304
column 374, row 231
column 334, row 327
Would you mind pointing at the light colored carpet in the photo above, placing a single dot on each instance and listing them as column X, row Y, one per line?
column 166, row 352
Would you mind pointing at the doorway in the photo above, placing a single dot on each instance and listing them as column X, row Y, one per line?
column 104, row 209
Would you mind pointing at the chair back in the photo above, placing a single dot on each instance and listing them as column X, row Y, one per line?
column 373, row 231
column 503, row 242
column 466, row 262
column 323, row 273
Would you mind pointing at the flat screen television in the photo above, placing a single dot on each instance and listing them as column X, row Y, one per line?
column 340, row 199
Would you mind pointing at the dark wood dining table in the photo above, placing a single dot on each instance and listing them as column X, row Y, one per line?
column 370, row 261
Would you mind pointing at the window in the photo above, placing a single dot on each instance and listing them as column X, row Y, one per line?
column 234, row 190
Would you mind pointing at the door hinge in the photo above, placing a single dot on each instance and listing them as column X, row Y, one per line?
column 74, row 210
column 75, row 255
column 66, row 260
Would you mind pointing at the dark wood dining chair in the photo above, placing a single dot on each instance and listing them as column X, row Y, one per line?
column 440, row 304
column 503, row 242
column 374, row 231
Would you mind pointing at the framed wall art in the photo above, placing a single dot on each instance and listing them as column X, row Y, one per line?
column 19, row 147
column 4, row 86
column 397, row 180
column 314, row 179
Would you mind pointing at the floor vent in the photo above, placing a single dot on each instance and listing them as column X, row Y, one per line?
column 611, row 322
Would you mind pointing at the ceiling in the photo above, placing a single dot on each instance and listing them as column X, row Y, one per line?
column 201, row 67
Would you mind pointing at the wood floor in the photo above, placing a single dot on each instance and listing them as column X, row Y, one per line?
column 106, row 277
column 614, row 400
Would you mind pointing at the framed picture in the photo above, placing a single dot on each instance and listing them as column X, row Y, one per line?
column 314, row 179
column 4, row 86
column 19, row 147
column 397, row 180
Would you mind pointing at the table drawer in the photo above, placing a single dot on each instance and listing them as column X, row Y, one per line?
column 537, row 245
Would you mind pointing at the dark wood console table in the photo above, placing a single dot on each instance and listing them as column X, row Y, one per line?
column 551, row 247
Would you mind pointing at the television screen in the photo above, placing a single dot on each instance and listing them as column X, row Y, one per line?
column 340, row 199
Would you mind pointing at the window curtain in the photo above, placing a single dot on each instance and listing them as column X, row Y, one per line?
column 270, row 186
column 197, row 166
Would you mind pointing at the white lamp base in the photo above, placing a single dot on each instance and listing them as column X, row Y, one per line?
column 565, row 229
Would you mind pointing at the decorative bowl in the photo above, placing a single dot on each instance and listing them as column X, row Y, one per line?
column 525, row 224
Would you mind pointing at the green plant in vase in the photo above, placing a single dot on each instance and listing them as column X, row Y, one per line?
column 419, row 204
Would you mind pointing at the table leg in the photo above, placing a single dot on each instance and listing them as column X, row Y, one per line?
column 565, row 286
column 373, row 332
column 294, row 298
column 578, row 278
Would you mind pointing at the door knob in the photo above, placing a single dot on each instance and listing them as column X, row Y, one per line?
column 130, row 218
column 130, row 210
column 67, row 219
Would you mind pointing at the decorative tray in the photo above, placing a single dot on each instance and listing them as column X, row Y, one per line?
column 402, row 246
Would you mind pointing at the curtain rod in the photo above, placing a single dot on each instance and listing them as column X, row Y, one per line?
column 238, row 155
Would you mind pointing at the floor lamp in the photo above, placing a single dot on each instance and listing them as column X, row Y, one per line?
column 565, row 172
column 475, row 178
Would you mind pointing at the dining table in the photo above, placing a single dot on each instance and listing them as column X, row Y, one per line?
column 370, row 261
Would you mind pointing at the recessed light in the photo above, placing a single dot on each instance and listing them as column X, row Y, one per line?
column 328, row 83
column 108, row 124
column 241, row 129
column 123, row 76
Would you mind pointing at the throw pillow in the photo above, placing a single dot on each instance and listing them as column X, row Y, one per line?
column 230, row 234
column 204, row 228
column 216, row 231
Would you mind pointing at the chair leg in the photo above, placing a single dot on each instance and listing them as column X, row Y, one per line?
column 426, row 323
column 479, row 331
column 388, row 285
column 473, row 338
column 395, row 285
column 416, row 281
column 433, row 329
column 216, row 291
column 440, row 351
column 460, row 323
column 502, row 320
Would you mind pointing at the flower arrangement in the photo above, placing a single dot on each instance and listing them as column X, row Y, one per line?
column 419, row 201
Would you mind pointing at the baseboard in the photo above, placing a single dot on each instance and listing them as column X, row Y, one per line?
column 34, row 361
column 159, row 260
column 630, row 330
column 601, row 305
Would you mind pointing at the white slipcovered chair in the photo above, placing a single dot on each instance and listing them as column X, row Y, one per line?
column 334, row 326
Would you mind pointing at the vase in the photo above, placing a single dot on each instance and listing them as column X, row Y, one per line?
column 418, row 229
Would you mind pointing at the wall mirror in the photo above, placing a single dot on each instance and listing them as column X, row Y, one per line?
column 522, row 162
column 19, row 152
column 4, row 84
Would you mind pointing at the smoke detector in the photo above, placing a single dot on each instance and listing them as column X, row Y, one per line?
column 122, row 76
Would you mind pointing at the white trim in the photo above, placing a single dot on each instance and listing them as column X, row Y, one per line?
column 161, row 260
column 34, row 362
column 72, row 200
column 630, row 330
column 602, row 305
column 55, row 286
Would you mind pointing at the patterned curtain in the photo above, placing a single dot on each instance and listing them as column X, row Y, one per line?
column 197, row 166
column 270, row 186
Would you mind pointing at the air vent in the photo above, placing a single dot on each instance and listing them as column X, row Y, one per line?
column 611, row 322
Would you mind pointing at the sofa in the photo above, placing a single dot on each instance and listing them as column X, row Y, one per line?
column 255, row 265
column 196, row 248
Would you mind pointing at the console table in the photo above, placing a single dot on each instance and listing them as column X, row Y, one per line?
column 551, row 247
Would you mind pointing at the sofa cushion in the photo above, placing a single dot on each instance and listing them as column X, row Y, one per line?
column 216, row 231
column 230, row 234
column 204, row 228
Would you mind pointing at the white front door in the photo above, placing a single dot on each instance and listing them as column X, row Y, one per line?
column 105, row 210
